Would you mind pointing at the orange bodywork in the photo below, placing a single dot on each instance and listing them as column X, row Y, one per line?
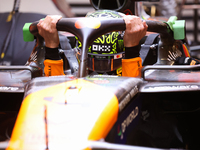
column 58, row 116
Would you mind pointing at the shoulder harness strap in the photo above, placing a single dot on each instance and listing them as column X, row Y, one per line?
column 148, row 51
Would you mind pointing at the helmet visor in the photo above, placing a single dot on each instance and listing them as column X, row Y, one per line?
column 99, row 63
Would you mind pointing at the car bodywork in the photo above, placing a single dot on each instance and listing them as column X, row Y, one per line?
column 159, row 110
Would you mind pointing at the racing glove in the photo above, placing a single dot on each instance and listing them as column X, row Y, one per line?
column 186, row 61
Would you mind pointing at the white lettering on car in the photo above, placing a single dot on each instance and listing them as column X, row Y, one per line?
column 173, row 87
column 128, row 120
column 127, row 98
column 4, row 88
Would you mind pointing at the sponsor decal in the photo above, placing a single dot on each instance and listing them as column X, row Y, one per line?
column 128, row 12
column 165, row 87
column 118, row 56
column 128, row 97
column 145, row 114
column 7, row 88
column 129, row 119
column 101, row 76
column 49, row 70
column 100, row 81
column 103, row 48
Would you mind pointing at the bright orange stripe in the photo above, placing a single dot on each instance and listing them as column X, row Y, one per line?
column 111, row 64
column 105, row 121
column 88, row 148
column 187, row 54
column 93, row 64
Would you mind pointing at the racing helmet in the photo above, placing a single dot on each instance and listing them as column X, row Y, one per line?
column 106, row 52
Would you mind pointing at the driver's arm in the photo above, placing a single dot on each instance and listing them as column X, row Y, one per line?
column 135, row 31
column 47, row 29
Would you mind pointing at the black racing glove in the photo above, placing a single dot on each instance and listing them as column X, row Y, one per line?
column 186, row 61
column 132, row 52
column 52, row 53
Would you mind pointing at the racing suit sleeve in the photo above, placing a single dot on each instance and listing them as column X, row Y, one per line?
column 53, row 64
column 132, row 63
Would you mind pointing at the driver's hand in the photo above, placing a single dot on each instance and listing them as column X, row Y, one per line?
column 135, row 30
column 47, row 29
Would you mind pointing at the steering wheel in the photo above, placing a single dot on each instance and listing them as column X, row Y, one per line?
column 113, row 4
column 88, row 29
